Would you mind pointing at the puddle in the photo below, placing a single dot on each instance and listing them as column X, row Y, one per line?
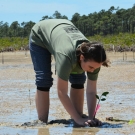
column 57, row 130
column 17, row 131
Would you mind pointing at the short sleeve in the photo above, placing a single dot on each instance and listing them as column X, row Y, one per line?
column 63, row 66
column 93, row 75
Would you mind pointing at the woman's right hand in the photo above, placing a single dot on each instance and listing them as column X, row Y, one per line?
column 89, row 122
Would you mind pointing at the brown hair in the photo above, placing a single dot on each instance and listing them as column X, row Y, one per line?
column 92, row 51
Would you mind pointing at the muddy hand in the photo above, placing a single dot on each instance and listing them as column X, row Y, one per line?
column 93, row 123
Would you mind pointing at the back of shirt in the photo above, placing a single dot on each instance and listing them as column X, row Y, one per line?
column 61, row 38
column 64, row 40
column 41, row 31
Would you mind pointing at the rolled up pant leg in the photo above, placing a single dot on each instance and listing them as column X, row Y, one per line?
column 77, row 80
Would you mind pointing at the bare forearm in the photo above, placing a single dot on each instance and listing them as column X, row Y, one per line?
column 65, row 100
column 91, row 97
column 62, row 88
column 91, row 103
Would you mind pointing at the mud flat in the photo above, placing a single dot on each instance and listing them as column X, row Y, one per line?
column 17, row 91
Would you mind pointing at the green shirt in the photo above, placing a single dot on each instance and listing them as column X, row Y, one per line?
column 61, row 38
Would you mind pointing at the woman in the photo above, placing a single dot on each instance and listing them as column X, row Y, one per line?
column 74, row 55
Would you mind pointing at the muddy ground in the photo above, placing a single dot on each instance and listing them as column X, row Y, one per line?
column 17, row 107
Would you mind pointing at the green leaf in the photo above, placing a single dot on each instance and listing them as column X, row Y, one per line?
column 131, row 122
column 105, row 93
column 103, row 99
column 97, row 96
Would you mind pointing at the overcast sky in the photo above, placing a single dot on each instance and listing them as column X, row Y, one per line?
column 34, row 10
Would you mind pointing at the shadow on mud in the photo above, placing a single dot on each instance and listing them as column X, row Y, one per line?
column 111, row 125
column 67, row 123
column 71, row 123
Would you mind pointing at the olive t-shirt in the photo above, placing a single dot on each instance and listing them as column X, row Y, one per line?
column 61, row 38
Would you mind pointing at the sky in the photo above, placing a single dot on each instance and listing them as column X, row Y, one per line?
column 34, row 10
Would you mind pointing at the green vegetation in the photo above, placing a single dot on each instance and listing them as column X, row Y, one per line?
column 123, row 39
column 114, row 26
column 14, row 43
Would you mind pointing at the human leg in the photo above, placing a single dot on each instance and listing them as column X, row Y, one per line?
column 77, row 91
column 41, row 59
column 42, row 105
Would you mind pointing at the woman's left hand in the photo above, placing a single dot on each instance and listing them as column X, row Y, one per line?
column 93, row 123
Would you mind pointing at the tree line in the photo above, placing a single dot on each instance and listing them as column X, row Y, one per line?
column 112, row 21
column 105, row 22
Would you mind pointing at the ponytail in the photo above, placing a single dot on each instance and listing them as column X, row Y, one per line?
column 92, row 51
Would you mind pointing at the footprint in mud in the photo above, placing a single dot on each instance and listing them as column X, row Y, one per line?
column 38, row 123
column 35, row 123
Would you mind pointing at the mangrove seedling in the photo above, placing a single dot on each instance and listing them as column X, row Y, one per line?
column 101, row 98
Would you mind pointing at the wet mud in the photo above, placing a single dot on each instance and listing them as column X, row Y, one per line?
column 17, row 91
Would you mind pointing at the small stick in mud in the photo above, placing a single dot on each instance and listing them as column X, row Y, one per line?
column 2, row 57
column 112, row 119
column 25, row 53
column 118, row 120
column 29, row 91
column 29, row 97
